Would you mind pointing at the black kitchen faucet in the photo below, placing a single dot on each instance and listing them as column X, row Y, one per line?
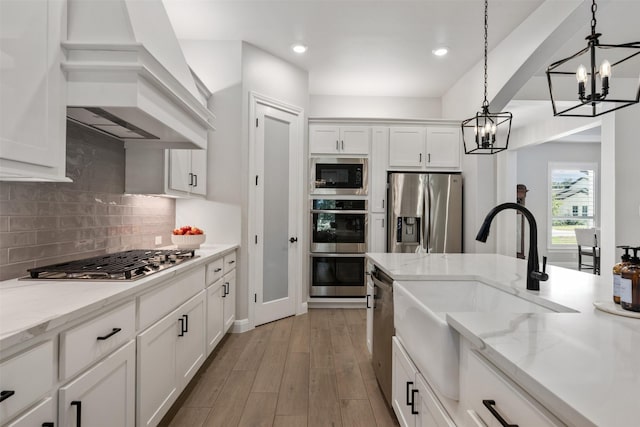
column 533, row 275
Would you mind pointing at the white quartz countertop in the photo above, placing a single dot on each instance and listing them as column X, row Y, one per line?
column 29, row 308
column 583, row 366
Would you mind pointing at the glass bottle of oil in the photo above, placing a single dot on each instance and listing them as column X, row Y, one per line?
column 617, row 269
column 630, row 284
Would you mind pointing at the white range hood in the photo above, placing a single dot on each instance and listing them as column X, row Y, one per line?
column 127, row 75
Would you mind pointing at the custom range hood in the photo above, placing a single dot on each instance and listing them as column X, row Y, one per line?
column 127, row 75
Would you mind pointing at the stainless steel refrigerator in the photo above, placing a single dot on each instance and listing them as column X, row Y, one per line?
column 424, row 212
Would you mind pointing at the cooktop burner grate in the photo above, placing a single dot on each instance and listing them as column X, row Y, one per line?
column 119, row 266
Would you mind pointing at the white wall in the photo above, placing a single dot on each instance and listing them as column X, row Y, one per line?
column 532, row 171
column 275, row 78
column 620, row 140
column 220, row 221
column 374, row 107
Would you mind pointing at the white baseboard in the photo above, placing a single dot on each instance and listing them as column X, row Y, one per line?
column 303, row 308
column 337, row 303
column 240, row 326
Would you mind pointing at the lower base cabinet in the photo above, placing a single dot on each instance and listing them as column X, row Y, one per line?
column 104, row 395
column 489, row 398
column 44, row 414
column 413, row 400
column 214, row 315
column 169, row 354
column 229, row 299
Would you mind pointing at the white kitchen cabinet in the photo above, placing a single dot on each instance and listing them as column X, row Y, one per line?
column 103, row 395
column 191, row 349
column 33, row 90
column 95, row 338
column 443, row 147
column 406, row 147
column 26, row 377
column 377, row 232
column 229, row 299
column 339, row 139
column 378, row 168
column 162, row 363
column 43, row 414
column 171, row 172
column 188, row 171
column 403, row 389
column 215, row 315
column 483, row 386
column 425, row 148
column 413, row 400
column 370, row 302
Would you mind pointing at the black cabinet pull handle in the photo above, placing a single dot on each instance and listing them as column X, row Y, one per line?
column 78, row 405
column 342, row 143
column 5, row 394
column 490, row 406
column 232, row 261
column 420, row 157
column 337, row 146
column 186, row 322
column 190, row 179
column 368, row 296
column 47, row 425
column 429, row 158
column 217, row 270
column 195, row 180
column 181, row 320
column 413, row 401
column 293, row 239
column 224, row 290
column 110, row 334
column 409, row 384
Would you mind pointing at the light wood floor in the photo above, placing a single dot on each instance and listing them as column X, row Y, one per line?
column 310, row 370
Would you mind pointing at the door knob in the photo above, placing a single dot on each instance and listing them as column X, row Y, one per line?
column 293, row 239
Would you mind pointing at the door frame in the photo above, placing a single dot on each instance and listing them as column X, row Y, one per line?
column 255, row 226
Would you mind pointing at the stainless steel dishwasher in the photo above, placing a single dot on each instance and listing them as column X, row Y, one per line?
column 383, row 330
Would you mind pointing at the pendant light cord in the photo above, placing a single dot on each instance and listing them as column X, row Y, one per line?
column 594, row 8
column 485, row 104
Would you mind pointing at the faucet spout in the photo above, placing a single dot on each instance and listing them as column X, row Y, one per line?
column 534, row 276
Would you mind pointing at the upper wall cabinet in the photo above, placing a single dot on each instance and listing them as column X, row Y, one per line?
column 169, row 172
column 32, row 90
column 339, row 139
column 425, row 148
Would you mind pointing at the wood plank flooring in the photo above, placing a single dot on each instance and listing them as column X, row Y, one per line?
column 306, row 371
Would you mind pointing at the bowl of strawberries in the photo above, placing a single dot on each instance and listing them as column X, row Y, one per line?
column 188, row 237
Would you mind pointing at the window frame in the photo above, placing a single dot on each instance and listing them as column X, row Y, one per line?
column 551, row 166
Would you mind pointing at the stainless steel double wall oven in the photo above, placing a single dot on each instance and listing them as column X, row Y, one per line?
column 338, row 227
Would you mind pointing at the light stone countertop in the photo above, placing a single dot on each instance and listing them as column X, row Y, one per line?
column 584, row 367
column 29, row 308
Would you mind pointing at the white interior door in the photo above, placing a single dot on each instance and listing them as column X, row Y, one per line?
column 278, row 169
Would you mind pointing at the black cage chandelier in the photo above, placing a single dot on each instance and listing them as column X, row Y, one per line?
column 486, row 132
column 595, row 99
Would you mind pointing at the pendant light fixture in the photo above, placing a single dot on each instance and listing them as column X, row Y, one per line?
column 596, row 92
column 486, row 132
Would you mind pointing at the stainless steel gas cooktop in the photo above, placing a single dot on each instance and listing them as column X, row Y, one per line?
column 127, row 265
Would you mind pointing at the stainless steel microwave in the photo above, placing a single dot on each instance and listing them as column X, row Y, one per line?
column 330, row 175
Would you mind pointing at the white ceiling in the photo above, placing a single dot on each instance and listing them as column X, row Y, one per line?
column 381, row 48
column 375, row 48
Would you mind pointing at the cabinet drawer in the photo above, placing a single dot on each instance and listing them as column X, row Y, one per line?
column 159, row 302
column 38, row 416
column 29, row 376
column 229, row 262
column 481, row 382
column 214, row 271
column 84, row 344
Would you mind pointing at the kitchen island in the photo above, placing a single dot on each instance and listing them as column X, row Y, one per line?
column 579, row 363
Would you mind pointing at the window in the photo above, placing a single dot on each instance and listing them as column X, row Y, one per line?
column 572, row 201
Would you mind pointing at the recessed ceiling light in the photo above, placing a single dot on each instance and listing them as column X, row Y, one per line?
column 299, row 48
column 441, row 51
